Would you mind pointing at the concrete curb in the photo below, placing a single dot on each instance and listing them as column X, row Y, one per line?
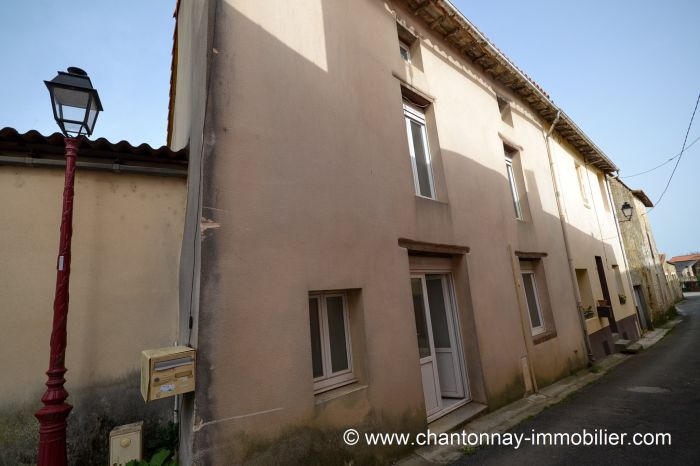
column 513, row 414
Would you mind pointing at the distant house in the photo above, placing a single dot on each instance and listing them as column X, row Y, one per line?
column 127, row 230
column 671, row 273
column 688, row 270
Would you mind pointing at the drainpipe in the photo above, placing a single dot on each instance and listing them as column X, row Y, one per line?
column 567, row 248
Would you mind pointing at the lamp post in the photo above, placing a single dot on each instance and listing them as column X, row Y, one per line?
column 626, row 211
column 75, row 107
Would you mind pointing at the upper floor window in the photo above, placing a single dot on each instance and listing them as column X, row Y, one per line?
column 409, row 46
column 504, row 109
column 419, row 150
column 513, row 185
column 581, row 175
column 604, row 191
column 405, row 51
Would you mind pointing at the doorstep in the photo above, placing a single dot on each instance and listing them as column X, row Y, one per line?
column 456, row 418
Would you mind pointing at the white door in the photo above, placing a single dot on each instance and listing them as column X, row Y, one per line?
column 426, row 351
column 438, row 345
column 444, row 336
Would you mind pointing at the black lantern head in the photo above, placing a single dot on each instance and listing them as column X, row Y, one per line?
column 627, row 210
column 75, row 102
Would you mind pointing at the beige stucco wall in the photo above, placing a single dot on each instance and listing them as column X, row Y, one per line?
column 307, row 185
column 123, row 289
column 593, row 232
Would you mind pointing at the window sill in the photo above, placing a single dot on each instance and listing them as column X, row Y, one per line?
column 544, row 336
column 337, row 392
column 430, row 199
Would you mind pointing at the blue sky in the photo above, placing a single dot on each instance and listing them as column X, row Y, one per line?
column 628, row 73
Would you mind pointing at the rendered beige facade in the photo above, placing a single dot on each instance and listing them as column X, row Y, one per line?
column 361, row 190
column 123, row 293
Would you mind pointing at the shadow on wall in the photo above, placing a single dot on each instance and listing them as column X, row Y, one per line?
column 269, row 150
column 96, row 411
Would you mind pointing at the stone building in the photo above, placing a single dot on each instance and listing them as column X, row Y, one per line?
column 653, row 294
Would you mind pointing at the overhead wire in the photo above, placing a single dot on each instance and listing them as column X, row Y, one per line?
column 663, row 164
column 680, row 156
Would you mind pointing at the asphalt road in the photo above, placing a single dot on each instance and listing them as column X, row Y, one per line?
column 656, row 391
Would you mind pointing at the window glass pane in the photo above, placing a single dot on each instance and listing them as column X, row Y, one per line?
column 531, row 295
column 438, row 310
column 419, row 313
column 316, row 358
column 422, row 159
column 336, row 333
column 513, row 188
column 405, row 54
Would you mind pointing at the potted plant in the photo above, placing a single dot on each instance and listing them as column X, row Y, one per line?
column 588, row 312
column 623, row 298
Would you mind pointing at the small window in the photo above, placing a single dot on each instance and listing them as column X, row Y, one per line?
column 419, row 151
column 513, row 186
column 405, row 51
column 604, row 191
column 330, row 341
column 533, row 302
column 504, row 109
column 581, row 175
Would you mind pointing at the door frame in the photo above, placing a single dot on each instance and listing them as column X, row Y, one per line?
column 447, row 282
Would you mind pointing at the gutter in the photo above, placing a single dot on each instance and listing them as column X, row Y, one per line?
column 567, row 247
column 111, row 167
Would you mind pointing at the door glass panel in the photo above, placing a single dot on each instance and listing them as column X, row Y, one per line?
column 315, row 338
column 531, row 295
column 438, row 312
column 336, row 333
column 419, row 313
column 422, row 158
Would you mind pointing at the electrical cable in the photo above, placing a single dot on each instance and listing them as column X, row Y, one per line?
column 667, row 161
column 679, row 157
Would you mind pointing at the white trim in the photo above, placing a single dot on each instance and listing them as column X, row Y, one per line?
column 403, row 47
column 412, row 114
column 536, row 330
column 329, row 380
column 513, row 187
column 454, row 330
column 580, row 173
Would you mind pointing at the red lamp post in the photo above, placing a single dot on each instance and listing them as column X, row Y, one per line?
column 75, row 107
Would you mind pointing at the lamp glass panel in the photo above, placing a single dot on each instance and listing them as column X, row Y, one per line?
column 71, row 97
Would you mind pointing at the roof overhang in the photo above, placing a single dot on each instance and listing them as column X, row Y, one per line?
column 445, row 20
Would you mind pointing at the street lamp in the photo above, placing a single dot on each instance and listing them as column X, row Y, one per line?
column 627, row 211
column 75, row 107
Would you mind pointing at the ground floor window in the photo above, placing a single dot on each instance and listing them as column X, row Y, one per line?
column 330, row 340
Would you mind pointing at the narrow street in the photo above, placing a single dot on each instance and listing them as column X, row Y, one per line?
column 656, row 391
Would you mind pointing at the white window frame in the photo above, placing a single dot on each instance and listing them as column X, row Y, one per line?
column 513, row 187
column 412, row 114
column 541, row 328
column 580, row 173
column 330, row 380
column 403, row 47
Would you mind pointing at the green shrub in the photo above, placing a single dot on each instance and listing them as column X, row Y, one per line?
column 162, row 458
